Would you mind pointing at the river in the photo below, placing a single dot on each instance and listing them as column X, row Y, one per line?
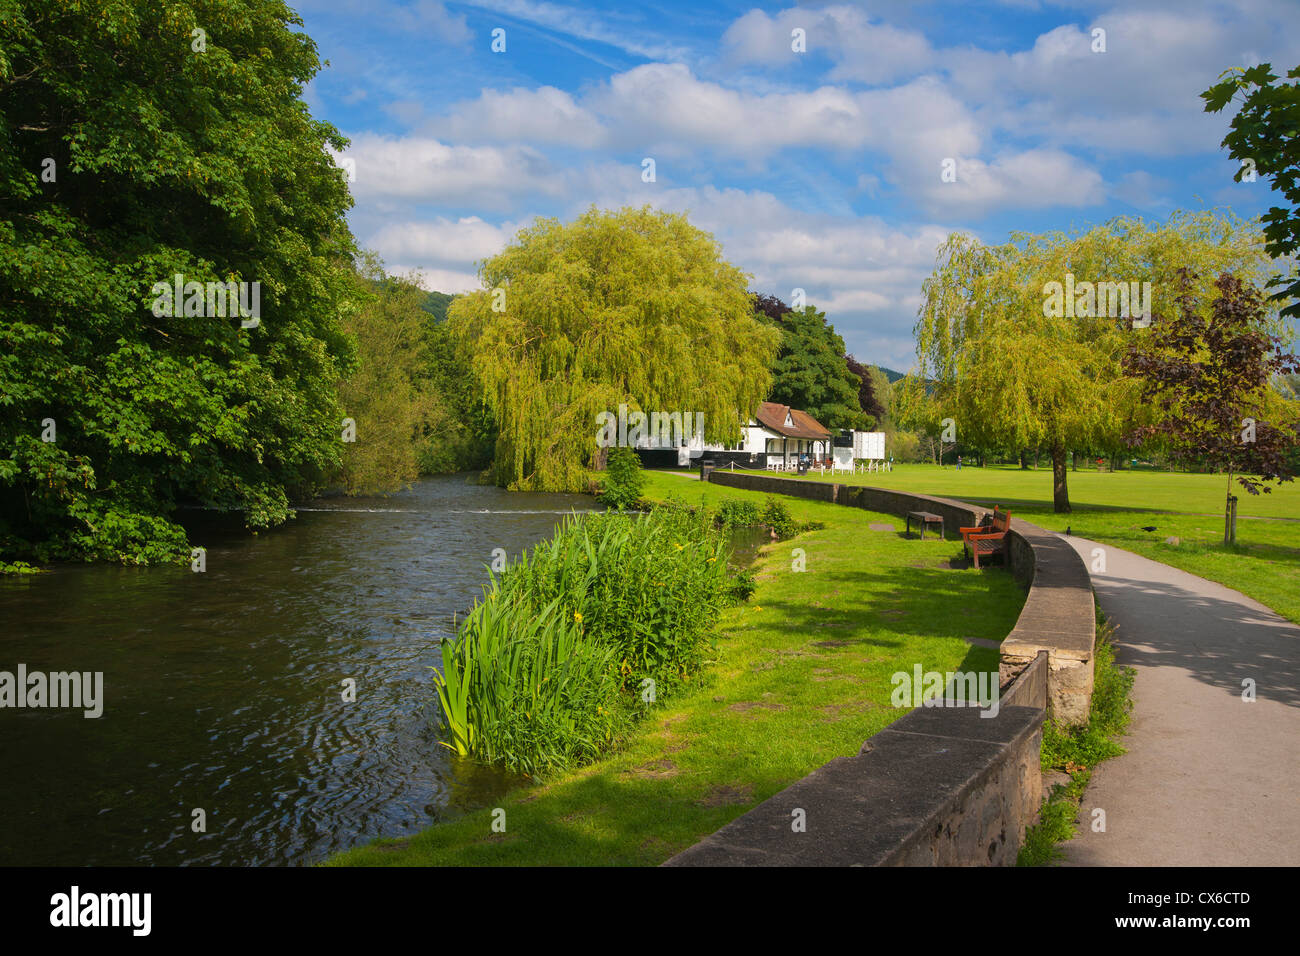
column 224, row 690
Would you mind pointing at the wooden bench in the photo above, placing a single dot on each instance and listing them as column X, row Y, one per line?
column 989, row 539
column 925, row 518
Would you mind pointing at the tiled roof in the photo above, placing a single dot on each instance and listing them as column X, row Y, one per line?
column 773, row 416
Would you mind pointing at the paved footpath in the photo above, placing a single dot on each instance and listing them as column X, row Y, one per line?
column 1208, row 779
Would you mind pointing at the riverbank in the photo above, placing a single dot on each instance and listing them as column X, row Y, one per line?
column 802, row 675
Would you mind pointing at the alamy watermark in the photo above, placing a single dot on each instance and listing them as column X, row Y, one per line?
column 1115, row 300
column 77, row 689
column 923, row 688
column 128, row 910
column 208, row 300
column 660, row 429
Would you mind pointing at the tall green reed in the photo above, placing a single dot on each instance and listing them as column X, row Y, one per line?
column 546, row 670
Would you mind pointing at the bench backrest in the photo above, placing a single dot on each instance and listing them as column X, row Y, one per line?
column 1001, row 521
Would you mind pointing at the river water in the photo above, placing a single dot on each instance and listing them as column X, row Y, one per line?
column 224, row 690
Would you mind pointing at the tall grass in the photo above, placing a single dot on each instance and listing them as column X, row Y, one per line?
column 524, row 689
column 552, row 664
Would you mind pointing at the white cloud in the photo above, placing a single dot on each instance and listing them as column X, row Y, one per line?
column 543, row 115
column 425, row 16
column 1141, row 95
column 428, row 17
column 863, row 50
column 667, row 108
column 442, row 242
column 1140, row 188
column 1032, row 179
column 436, row 280
column 420, row 169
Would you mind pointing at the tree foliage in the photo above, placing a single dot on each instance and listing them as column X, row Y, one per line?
column 771, row 306
column 624, row 479
column 1262, row 137
column 1011, row 375
column 1212, row 371
column 870, row 378
column 461, row 435
column 810, row 370
column 389, row 397
column 128, row 155
column 632, row 306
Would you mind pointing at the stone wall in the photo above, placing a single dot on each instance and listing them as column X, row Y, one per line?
column 941, row 786
column 1059, row 617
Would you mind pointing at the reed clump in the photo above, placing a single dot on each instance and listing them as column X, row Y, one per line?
column 571, row 644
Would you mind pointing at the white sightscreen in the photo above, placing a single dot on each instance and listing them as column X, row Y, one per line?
column 869, row 445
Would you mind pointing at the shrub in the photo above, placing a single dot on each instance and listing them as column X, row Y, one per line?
column 567, row 635
column 741, row 586
column 734, row 513
column 624, row 479
column 777, row 517
column 648, row 585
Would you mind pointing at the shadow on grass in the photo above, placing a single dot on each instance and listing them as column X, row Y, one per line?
column 914, row 602
column 610, row 819
column 1193, row 541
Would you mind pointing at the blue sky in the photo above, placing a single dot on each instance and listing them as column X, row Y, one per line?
column 818, row 169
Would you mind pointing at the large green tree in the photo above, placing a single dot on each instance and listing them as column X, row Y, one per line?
column 811, row 371
column 389, row 400
column 1263, row 139
column 633, row 306
column 462, row 434
column 1011, row 368
column 141, row 140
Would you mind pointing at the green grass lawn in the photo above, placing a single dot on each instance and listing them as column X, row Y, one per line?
column 1114, row 508
column 1010, row 487
column 802, row 675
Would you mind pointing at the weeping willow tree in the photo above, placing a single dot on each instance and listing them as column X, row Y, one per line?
column 1020, row 344
column 633, row 306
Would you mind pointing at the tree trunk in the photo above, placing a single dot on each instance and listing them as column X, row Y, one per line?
column 1229, row 517
column 1060, row 494
column 1024, row 464
column 1074, row 461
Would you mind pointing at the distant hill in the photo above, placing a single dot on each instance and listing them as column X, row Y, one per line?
column 435, row 303
column 891, row 374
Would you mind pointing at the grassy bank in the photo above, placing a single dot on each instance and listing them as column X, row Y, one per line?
column 802, row 675
column 1115, row 508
